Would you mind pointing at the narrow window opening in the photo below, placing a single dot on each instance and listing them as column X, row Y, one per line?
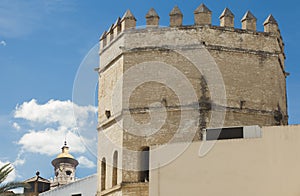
column 164, row 102
column 115, row 169
column 107, row 113
column 103, row 174
column 144, row 167
column 242, row 104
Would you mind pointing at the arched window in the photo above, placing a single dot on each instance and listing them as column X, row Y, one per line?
column 68, row 172
column 144, row 167
column 103, row 174
column 115, row 169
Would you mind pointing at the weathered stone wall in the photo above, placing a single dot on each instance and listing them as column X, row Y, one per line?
column 134, row 189
column 252, row 67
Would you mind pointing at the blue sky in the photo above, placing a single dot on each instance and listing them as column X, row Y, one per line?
column 43, row 44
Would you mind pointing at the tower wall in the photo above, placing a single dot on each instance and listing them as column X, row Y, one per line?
column 250, row 64
column 252, row 67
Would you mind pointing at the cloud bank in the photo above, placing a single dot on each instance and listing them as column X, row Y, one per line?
column 55, row 111
column 53, row 122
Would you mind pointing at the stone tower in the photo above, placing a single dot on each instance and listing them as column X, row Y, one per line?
column 64, row 168
column 205, row 77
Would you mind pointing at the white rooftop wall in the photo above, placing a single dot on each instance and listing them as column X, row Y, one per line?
column 86, row 187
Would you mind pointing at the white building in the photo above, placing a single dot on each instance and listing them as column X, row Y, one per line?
column 83, row 187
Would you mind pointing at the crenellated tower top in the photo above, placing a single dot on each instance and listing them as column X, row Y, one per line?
column 227, row 18
column 202, row 17
column 249, row 21
column 176, row 17
column 152, row 18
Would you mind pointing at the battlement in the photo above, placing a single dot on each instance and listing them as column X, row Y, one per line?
column 202, row 18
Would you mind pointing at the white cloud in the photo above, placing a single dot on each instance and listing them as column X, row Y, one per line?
column 53, row 122
column 12, row 176
column 65, row 113
column 49, row 141
column 3, row 43
column 16, row 126
column 85, row 162
column 19, row 161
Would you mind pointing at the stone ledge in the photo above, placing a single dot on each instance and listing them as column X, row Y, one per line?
column 112, row 189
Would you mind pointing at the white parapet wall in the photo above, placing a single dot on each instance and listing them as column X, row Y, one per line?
column 83, row 187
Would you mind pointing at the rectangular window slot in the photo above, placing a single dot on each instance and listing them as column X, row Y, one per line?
column 224, row 133
column 246, row 132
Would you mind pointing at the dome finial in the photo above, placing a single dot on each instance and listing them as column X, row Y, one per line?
column 65, row 148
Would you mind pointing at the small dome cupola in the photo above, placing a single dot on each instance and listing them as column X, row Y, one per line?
column 64, row 167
